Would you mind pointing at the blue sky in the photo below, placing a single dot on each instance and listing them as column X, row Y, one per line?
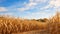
column 30, row 9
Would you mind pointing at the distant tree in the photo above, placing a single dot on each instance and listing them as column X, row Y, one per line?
column 42, row 20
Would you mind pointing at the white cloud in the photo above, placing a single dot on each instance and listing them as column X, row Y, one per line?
column 56, row 3
column 27, row 6
column 22, row 9
column 30, row 5
column 37, row 1
column 53, row 3
column 36, row 15
column 33, row 3
column 3, row 9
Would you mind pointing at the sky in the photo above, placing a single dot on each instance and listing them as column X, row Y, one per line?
column 29, row 9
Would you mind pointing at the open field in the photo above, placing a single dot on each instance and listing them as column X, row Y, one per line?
column 11, row 25
column 34, row 32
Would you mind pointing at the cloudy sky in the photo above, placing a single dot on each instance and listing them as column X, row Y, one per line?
column 29, row 8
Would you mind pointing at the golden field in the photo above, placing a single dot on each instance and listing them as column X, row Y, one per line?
column 11, row 25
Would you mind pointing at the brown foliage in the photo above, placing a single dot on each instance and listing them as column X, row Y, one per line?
column 10, row 25
column 54, row 24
